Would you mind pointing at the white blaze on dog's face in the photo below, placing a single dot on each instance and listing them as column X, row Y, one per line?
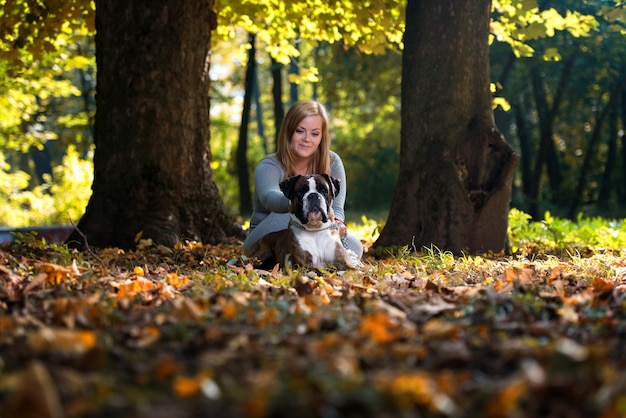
column 311, row 198
column 315, row 202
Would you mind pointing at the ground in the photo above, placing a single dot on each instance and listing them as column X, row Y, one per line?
column 179, row 333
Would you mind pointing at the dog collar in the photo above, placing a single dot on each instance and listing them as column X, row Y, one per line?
column 333, row 225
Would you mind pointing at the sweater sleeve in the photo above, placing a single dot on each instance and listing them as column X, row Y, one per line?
column 267, row 177
column 338, row 171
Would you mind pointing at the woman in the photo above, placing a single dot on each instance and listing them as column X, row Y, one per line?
column 303, row 148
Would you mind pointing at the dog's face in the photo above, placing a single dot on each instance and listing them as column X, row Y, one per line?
column 311, row 197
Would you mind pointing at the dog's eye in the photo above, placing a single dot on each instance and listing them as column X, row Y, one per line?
column 324, row 190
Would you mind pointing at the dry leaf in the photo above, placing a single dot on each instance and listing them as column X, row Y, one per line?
column 62, row 340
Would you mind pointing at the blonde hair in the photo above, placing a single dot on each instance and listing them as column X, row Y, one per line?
column 320, row 160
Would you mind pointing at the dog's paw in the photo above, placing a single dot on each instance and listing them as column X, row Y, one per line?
column 354, row 258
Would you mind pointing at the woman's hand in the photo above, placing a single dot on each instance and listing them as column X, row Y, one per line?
column 342, row 227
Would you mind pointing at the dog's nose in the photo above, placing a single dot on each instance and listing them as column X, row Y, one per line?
column 315, row 196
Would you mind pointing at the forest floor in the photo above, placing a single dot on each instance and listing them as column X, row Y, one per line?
column 179, row 333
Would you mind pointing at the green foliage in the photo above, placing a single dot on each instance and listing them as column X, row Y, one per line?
column 370, row 26
column 54, row 202
column 38, row 27
column 46, row 47
column 595, row 233
column 516, row 22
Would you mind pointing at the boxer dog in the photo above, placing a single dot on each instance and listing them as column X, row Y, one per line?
column 312, row 238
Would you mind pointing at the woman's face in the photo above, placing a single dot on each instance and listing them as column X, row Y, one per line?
column 307, row 137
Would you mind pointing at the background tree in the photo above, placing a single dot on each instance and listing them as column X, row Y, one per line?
column 152, row 175
column 558, row 94
column 454, row 185
column 535, row 40
column 46, row 107
column 241, row 155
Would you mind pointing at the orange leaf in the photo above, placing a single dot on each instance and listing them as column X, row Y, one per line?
column 62, row 340
column 436, row 329
column 600, row 286
column 186, row 387
column 229, row 308
column 131, row 287
column 507, row 400
column 186, row 309
column 166, row 368
column 510, row 275
column 7, row 323
column 149, row 336
column 379, row 327
column 54, row 274
column 419, row 387
column 269, row 316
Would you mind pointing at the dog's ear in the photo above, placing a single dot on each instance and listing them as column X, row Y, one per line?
column 288, row 185
column 333, row 183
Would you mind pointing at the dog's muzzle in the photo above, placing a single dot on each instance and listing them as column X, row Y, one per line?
column 314, row 208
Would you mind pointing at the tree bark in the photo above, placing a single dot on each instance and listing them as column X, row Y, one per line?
column 622, row 189
column 525, row 144
column 241, row 154
column 277, row 96
column 152, row 175
column 547, row 150
column 588, row 156
column 608, row 184
column 456, row 170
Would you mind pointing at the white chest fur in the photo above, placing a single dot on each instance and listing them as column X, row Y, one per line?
column 321, row 244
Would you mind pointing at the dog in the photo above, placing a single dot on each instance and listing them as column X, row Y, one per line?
column 312, row 239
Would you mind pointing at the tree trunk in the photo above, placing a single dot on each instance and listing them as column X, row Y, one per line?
column 608, row 184
column 622, row 190
column 241, row 155
column 588, row 156
column 294, row 69
column 456, row 170
column 547, row 150
column 277, row 95
column 525, row 144
column 258, row 112
column 152, row 175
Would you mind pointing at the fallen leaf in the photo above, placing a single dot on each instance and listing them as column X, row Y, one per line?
column 62, row 340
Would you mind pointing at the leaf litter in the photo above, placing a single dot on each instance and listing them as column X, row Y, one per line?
column 178, row 332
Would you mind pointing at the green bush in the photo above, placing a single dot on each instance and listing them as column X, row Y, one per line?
column 592, row 233
column 61, row 198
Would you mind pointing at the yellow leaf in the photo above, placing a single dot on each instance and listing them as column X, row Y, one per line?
column 176, row 281
column 502, row 102
column 55, row 274
column 131, row 287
